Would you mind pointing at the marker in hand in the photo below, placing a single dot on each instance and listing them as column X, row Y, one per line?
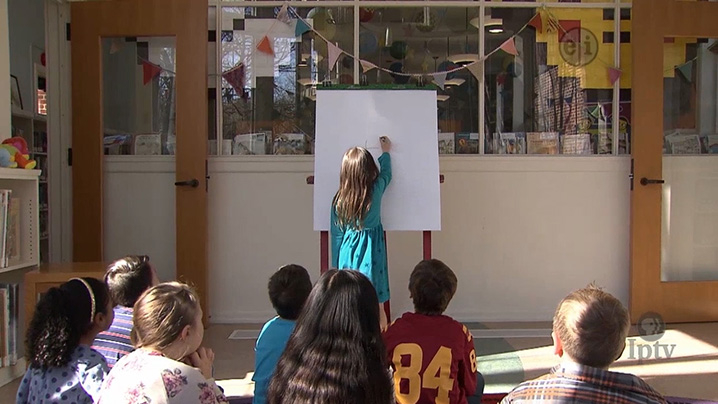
column 385, row 143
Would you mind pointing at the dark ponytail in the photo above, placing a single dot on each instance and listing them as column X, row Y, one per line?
column 62, row 316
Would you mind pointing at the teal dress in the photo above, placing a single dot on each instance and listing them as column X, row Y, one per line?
column 365, row 249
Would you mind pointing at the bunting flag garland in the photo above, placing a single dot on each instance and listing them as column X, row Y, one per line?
column 686, row 71
column 235, row 78
column 613, row 74
column 596, row 112
column 265, row 46
column 477, row 69
column 283, row 14
column 440, row 79
column 334, row 52
column 301, row 27
column 366, row 65
column 509, row 46
column 537, row 22
column 115, row 46
column 149, row 71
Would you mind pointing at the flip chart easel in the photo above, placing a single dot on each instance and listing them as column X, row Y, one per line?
column 324, row 258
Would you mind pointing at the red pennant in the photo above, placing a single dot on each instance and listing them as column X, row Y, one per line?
column 265, row 46
column 509, row 47
column 149, row 71
column 613, row 74
column 235, row 78
column 537, row 22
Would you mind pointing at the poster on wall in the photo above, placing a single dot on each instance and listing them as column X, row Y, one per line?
column 348, row 118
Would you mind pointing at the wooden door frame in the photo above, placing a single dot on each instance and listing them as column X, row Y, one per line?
column 651, row 21
column 186, row 20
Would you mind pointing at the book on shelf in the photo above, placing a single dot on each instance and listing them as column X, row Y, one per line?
column 542, row 142
column 12, row 250
column 3, row 331
column 576, row 144
column 10, row 301
column 4, row 207
column 512, row 143
column 289, row 143
column 467, row 143
column 446, row 143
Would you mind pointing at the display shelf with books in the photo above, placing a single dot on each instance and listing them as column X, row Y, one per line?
column 19, row 252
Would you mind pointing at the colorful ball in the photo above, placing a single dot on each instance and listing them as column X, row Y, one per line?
column 398, row 49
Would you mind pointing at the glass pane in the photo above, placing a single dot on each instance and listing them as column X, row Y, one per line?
column 139, row 119
column 422, row 40
column 139, row 95
column 212, row 79
column 689, row 96
column 268, row 99
column 689, row 250
column 555, row 96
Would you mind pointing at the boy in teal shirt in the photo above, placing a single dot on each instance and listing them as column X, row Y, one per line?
column 289, row 288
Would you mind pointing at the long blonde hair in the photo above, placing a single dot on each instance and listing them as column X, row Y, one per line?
column 356, row 182
column 161, row 313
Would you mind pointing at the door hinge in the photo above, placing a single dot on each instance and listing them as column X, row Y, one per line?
column 67, row 31
column 69, row 157
column 630, row 176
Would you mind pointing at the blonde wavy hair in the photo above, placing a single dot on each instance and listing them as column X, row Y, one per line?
column 161, row 313
column 356, row 183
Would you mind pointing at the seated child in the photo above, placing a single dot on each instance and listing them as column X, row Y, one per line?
column 127, row 279
column 289, row 288
column 432, row 355
column 63, row 367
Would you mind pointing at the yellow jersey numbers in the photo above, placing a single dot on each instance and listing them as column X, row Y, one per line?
column 436, row 376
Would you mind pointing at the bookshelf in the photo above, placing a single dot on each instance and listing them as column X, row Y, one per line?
column 24, row 185
column 33, row 128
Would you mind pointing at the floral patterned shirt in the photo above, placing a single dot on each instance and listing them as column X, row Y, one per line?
column 148, row 377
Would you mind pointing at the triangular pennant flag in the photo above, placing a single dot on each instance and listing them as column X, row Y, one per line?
column 366, row 65
column 549, row 20
column 477, row 69
column 235, row 78
column 537, row 22
column 509, row 47
column 613, row 74
column 568, row 100
column 686, row 70
column 596, row 111
column 265, row 46
column 283, row 14
column 440, row 79
column 301, row 27
column 333, row 52
column 149, row 71
column 115, row 46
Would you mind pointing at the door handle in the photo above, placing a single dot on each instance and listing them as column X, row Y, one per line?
column 646, row 181
column 194, row 183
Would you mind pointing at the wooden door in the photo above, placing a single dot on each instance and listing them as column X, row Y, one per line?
column 186, row 22
column 653, row 21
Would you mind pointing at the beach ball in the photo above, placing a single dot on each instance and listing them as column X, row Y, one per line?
column 368, row 43
column 399, row 68
column 366, row 14
column 398, row 49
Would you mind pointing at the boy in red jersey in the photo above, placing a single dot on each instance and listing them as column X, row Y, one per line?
column 432, row 355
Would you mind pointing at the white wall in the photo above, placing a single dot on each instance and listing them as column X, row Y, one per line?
column 27, row 41
column 520, row 232
column 690, row 218
column 5, row 122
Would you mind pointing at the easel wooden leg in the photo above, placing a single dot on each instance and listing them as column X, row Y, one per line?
column 323, row 251
column 427, row 245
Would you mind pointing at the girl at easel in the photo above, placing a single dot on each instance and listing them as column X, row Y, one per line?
column 356, row 230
